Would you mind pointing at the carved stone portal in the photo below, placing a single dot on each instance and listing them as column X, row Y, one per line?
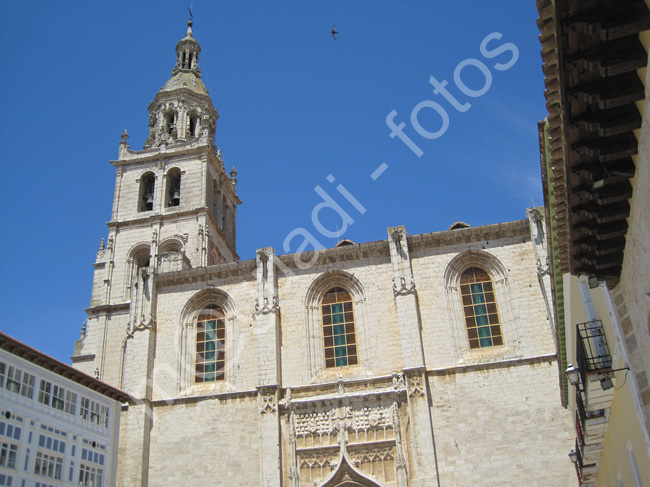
column 366, row 438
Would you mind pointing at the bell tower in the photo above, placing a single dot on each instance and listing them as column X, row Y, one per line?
column 182, row 109
column 174, row 208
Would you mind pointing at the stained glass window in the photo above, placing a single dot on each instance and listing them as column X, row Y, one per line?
column 211, row 345
column 338, row 328
column 480, row 307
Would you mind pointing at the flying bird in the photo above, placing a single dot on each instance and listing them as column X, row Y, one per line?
column 334, row 32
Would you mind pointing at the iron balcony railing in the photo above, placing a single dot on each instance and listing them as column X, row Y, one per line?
column 578, row 463
column 583, row 415
column 592, row 350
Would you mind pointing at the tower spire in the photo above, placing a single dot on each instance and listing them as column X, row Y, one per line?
column 187, row 52
column 182, row 110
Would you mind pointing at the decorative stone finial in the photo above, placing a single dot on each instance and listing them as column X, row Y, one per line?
column 233, row 173
column 101, row 244
column 340, row 384
column 189, row 28
column 125, row 136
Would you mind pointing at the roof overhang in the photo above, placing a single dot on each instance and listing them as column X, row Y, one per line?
column 591, row 52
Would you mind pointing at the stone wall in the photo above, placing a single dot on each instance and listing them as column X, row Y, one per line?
column 489, row 416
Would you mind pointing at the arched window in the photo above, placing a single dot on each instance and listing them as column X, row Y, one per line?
column 339, row 338
column 480, row 309
column 170, row 121
column 210, row 361
column 192, row 124
column 216, row 200
column 173, row 187
column 214, row 257
column 170, row 245
column 224, row 214
column 147, row 187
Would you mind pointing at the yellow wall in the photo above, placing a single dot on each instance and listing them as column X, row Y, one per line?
column 623, row 424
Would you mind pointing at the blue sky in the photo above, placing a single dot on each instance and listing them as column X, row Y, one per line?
column 295, row 105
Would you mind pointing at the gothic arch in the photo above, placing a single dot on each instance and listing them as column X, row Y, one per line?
column 346, row 475
column 509, row 317
column 330, row 279
column 171, row 244
column 313, row 320
column 139, row 251
column 215, row 257
column 147, row 191
column 138, row 257
column 172, row 179
column 478, row 258
column 187, row 333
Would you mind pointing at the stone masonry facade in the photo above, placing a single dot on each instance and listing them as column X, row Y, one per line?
column 416, row 406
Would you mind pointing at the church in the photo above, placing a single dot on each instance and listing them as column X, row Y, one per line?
column 418, row 360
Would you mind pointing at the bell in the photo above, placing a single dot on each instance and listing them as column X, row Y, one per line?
column 176, row 197
column 149, row 199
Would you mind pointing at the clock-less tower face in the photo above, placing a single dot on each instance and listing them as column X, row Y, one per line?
column 174, row 208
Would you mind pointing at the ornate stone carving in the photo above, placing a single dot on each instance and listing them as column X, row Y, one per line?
column 404, row 287
column 268, row 404
column 267, row 299
column 372, row 454
column 398, row 380
column 317, row 459
column 403, row 281
column 400, row 462
column 364, row 434
column 142, row 325
column 304, row 423
column 265, row 308
column 340, row 385
column 416, row 389
column 343, row 418
column 79, row 344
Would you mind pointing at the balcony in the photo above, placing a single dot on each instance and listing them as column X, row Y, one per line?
column 173, row 261
column 595, row 365
column 586, row 473
column 591, row 427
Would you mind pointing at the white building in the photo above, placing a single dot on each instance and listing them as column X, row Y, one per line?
column 58, row 426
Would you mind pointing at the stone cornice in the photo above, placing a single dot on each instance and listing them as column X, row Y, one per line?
column 179, row 150
column 496, row 364
column 517, row 228
column 182, row 91
column 211, row 275
column 384, row 385
column 379, row 248
column 108, row 308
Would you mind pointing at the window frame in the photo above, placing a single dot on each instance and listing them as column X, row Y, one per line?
column 188, row 318
column 314, row 340
column 210, row 313
column 8, row 454
column 19, row 382
column 340, row 346
column 478, row 300
column 509, row 318
column 47, row 465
